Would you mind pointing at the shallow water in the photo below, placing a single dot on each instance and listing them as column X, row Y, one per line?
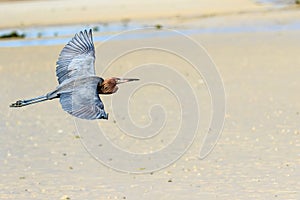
column 277, row 3
column 57, row 35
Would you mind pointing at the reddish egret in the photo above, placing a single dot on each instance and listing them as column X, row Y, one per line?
column 79, row 87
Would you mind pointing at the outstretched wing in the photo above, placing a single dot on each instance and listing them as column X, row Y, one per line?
column 83, row 100
column 77, row 59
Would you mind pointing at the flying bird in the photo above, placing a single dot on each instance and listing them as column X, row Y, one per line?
column 79, row 87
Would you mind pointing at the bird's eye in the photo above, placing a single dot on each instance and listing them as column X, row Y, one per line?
column 105, row 88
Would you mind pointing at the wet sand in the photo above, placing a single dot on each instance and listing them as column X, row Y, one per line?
column 257, row 156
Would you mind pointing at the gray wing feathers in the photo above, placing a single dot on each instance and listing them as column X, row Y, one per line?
column 77, row 58
column 83, row 100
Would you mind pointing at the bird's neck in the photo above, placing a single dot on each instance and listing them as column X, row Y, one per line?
column 99, row 86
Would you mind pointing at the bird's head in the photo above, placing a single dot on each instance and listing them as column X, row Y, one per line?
column 109, row 86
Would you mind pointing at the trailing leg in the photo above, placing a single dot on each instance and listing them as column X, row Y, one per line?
column 22, row 103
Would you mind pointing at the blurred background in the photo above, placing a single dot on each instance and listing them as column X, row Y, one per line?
column 255, row 45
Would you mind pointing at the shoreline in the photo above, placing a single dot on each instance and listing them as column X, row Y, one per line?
column 250, row 22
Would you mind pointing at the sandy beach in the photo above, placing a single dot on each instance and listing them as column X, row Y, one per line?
column 256, row 50
column 69, row 12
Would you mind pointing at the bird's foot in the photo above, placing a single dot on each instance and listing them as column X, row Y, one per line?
column 19, row 103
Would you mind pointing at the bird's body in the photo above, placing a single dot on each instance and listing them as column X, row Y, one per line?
column 79, row 87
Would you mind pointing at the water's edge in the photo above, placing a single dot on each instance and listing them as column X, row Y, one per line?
column 57, row 35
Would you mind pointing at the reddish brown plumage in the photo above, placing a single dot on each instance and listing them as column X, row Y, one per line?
column 109, row 86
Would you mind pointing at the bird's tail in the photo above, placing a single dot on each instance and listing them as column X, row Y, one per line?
column 21, row 103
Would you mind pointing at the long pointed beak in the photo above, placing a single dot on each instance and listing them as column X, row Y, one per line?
column 125, row 80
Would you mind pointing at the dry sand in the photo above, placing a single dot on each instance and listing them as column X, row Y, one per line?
column 257, row 156
column 28, row 13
